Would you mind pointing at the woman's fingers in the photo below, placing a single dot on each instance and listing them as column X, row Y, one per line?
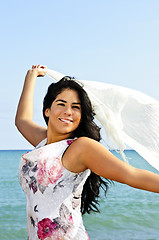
column 40, row 69
column 39, row 66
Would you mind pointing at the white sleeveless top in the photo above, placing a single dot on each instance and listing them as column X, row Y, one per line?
column 53, row 194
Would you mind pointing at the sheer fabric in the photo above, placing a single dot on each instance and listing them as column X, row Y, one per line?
column 129, row 117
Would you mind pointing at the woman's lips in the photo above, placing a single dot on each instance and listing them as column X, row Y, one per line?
column 65, row 120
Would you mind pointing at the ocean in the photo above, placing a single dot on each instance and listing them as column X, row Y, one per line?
column 125, row 213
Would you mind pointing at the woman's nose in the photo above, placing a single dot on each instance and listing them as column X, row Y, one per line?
column 68, row 110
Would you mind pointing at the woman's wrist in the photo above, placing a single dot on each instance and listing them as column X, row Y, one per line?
column 33, row 72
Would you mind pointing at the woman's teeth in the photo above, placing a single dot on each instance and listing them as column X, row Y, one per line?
column 65, row 120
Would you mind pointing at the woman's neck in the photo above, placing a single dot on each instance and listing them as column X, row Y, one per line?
column 51, row 138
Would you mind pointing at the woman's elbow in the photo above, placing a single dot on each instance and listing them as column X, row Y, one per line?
column 18, row 122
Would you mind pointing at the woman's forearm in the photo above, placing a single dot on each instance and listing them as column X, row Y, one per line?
column 145, row 180
column 25, row 106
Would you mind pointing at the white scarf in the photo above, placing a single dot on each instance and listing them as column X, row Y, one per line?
column 129, row 117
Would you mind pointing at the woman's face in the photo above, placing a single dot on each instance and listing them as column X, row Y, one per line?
column 64, row 114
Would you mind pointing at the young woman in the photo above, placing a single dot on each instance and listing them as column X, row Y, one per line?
column 62, row 175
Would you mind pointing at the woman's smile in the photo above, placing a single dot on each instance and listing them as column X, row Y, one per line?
column 66, row 120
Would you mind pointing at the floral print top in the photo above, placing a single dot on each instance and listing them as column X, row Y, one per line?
column 53, row 194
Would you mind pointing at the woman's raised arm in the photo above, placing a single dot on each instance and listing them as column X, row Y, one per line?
column 91, row 154
column 24, row 116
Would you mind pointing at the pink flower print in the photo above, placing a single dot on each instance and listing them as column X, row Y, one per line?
column 87, row 236
column 71, row 219
column 70, row 141
column 49, row 171
column 46, row 228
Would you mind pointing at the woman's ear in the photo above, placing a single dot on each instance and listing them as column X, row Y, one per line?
column 47, row 112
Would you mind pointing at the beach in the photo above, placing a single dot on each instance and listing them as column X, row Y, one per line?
column 126, row 213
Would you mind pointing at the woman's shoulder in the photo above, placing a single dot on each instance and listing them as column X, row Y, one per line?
column 76, row 151
column 86, row 140
column 81, row 153
column 83, row 143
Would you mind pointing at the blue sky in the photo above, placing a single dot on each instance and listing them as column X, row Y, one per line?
column 111, row 41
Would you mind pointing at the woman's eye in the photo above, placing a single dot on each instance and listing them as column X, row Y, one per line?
column 61, row 104
column 76, row 107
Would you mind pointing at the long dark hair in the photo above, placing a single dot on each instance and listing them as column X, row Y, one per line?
column 87, row 128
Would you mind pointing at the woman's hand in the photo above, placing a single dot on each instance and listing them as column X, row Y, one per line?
column 40, row 70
